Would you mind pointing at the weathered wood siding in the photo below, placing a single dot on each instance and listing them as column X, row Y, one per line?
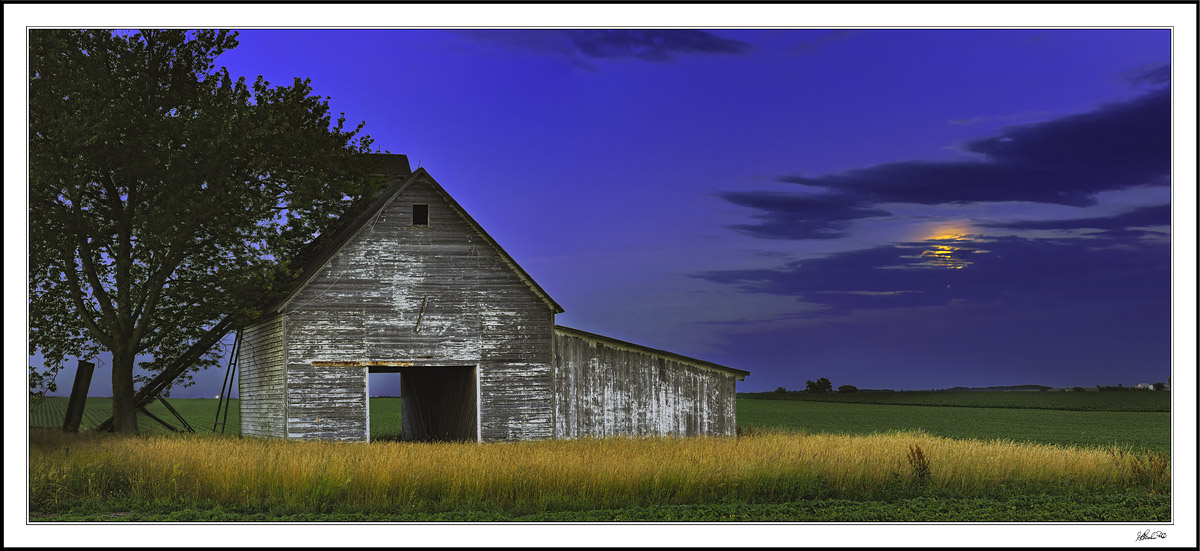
column 328, row 403
column 473, row 309
column 607, row 389
column 261, row 383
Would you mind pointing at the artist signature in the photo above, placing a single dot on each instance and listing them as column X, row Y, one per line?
column 1148, row 535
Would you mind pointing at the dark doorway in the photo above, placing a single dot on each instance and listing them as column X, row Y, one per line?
column 437, row 403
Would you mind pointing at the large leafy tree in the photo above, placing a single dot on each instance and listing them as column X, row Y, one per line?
column 164, row 195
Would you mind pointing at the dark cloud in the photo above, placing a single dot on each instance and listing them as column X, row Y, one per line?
column 646, row 44
column 652, row 45
column 1150, row 75
column 1159, row 215
column 799, row 216
column 1010, row 118
column 1005, row 272
column 1064, row 161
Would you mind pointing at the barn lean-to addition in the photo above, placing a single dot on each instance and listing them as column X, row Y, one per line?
column 415, row 286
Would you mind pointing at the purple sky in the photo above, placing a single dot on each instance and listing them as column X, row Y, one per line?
column 900, row 209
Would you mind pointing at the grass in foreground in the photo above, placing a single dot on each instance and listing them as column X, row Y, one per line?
column 91, row 474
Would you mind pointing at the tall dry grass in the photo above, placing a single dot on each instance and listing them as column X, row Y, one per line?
column 564, row 475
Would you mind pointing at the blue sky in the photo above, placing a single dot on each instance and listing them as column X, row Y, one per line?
column 885, row 208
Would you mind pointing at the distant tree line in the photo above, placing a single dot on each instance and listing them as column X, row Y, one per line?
column 821, row 385
column 1119, row 387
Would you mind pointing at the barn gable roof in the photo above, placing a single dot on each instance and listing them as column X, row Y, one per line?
column 508, row 259
column 396, row 166
column 738, row 373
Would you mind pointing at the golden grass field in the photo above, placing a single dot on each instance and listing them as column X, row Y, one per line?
column 567, row 474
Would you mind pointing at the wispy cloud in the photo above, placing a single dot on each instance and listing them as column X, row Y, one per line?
column 800, row 216
column 652, row 45
column 1158, row 215
column 1154, row 74
column 583, row 46
column 823, row 39
column 1010, row 118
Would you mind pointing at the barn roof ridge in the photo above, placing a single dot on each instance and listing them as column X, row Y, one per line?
column 739, row 373
column 347, row 232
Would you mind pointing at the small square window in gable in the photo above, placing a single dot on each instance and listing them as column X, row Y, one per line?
column 420, row 215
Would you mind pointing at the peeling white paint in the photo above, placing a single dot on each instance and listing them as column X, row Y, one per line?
column 605, row 391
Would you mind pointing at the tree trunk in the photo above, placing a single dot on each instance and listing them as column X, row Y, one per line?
column 124, row 414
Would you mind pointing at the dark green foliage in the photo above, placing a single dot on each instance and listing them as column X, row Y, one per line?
column 819, row 386
column 1069, row 507
column 845, row 389
column 1119, row 388
column 780, row 390
column 164, row 193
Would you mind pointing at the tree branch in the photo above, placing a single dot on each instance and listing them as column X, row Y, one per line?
column 89, row 269
column 123, row 259
column 151, row 341
column 175, row 255
column 113, row 192
column 85, row 314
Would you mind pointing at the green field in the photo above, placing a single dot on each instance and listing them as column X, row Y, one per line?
column 1130, row 430
column 199, row 413
column 1056, row 400
column 385, row 418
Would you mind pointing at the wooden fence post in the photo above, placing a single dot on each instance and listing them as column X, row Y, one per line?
column 79, row 392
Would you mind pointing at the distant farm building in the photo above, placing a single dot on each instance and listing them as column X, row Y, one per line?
column 415, row 286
